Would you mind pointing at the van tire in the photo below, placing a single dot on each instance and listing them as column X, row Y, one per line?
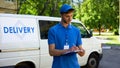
column 23, row 65
column 93, row 61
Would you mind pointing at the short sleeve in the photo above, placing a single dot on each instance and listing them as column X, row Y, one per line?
column 79, row 40
column 51, row 36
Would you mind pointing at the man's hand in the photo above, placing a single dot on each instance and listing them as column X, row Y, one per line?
column 73, row 48
column 81, row 52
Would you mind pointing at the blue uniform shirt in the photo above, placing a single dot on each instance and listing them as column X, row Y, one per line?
column 59, row 35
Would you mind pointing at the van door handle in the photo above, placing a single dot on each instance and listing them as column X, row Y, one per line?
column 0, row 50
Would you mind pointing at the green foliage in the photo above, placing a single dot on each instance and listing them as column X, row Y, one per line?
column 95, row 13
column 42, row 7
column 116, row 32
column 111, row 39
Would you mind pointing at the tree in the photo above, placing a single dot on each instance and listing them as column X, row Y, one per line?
column 100, row 13
column 95, row 14
column 42, row 7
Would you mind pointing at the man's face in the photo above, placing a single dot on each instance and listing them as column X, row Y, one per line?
column 67, row 17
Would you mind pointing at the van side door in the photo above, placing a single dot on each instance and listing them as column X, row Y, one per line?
column 45, row 58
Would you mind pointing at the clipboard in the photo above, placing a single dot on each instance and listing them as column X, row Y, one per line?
column 70, row 52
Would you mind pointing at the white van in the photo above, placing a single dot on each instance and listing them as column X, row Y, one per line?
column 23, row 42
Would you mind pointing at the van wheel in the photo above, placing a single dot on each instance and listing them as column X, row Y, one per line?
column 23, row 65
column 93, row 61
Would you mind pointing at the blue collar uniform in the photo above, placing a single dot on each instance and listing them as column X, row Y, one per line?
column 64, row 38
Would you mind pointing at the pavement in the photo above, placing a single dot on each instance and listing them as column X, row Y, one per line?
column 110, row 46
column 111, row 55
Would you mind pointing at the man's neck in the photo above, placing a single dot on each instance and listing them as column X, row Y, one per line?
column 64, row 24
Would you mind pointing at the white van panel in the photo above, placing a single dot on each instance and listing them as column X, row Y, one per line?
column 13, row 58
column 46, row 59
column 18, row 33
column 18, row 40
column 90, row 45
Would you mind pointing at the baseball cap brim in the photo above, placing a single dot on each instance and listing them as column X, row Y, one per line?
column 65, row 8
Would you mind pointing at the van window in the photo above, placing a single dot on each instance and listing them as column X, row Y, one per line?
column 44, row 27
column 84, row 32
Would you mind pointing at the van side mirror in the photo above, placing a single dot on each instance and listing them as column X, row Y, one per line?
column 90, row 33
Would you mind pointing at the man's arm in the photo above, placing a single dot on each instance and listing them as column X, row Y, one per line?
column 82, row 52
column 56, row 52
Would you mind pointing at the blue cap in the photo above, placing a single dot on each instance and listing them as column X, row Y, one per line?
column 65, row 8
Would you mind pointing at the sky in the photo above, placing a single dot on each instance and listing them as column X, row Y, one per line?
column 77, row 1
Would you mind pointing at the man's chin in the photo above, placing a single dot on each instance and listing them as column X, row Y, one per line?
column 68, row 22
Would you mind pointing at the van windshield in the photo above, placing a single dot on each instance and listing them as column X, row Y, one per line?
column 82, row 29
